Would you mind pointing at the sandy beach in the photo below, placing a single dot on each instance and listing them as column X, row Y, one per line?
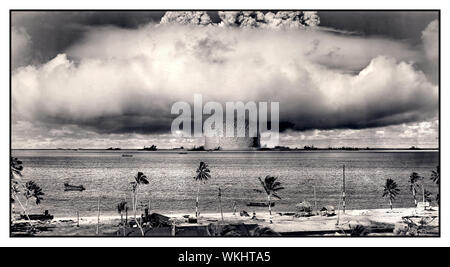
column 373, row 222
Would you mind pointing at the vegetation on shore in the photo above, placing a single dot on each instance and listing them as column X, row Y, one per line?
column 31, row 191
column 203, row 174
column 139, row 180
column 390, row 191
column 271, row 186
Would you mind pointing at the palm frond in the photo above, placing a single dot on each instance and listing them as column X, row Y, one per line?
column 203, row 172
column 275, row 195
column 271, row 185
column 33, row 190
column 390, row 189
column 435, row 175
column 141, row 178
column 264, row 185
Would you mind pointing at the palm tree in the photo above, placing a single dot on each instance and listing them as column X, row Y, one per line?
column 140, row 179
column 436, row 178
column 16, row 167
column 32, row 190
column 271, row 187
column 16, row 172
column 202, row 176
column 121, row 207
column 414, row 179
column 435, row 175
column 390, row 190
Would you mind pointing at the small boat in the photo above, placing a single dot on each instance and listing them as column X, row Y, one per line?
column 260, row 204
column 69, row 187
column 127, row 155
column 182, row 153
column 38, row 217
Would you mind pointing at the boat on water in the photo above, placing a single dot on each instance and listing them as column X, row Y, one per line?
column 260, row 204
column 69, row 187
column 127, row 155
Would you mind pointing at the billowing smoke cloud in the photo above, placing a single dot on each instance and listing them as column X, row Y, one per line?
column 123, row 81
column 257, row 19
column 186, row 17
column 246, row 19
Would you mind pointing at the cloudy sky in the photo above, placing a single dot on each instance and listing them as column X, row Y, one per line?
column 102, row 79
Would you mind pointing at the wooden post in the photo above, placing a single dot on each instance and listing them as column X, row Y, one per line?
column 315, row 200
column 339, row 212
column 174, row 230
column 98, row 215
column 343, row 189
column 423, row 193
column 78, row 219
column 220, row 204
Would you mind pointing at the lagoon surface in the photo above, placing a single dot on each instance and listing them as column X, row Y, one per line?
column 172, row 189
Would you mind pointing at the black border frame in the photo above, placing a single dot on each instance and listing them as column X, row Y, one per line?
column 163, row 10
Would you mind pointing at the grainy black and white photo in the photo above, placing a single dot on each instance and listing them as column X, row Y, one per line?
column 280, row 123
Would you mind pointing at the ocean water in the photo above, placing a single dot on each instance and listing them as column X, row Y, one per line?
column 172, row 189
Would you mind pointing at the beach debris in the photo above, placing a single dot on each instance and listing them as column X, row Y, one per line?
column 38, row 217
column 423, row 205
column 69, row 187
column 244, row 214
column 238, row 229
column 192, row 220
column 157, row 220
column 417, row 225
column 327, row 211
column 365, row 212
column 303, row 209
column 265, row 231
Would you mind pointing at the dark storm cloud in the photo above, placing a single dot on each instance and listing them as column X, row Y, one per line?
column 51, row 33
column 400, row 25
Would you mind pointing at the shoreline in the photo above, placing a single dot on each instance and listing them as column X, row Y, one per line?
column 373, row 220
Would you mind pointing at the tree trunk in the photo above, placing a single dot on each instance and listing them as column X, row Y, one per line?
column 133, row 200
column 122, row 222
column 270, row 209
column 26, row 204
column 414, row 195
column 98, row 215
column 196, row 201
column 390, row 203
column 135, row 208
column 24, row 209
column 220, row 204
